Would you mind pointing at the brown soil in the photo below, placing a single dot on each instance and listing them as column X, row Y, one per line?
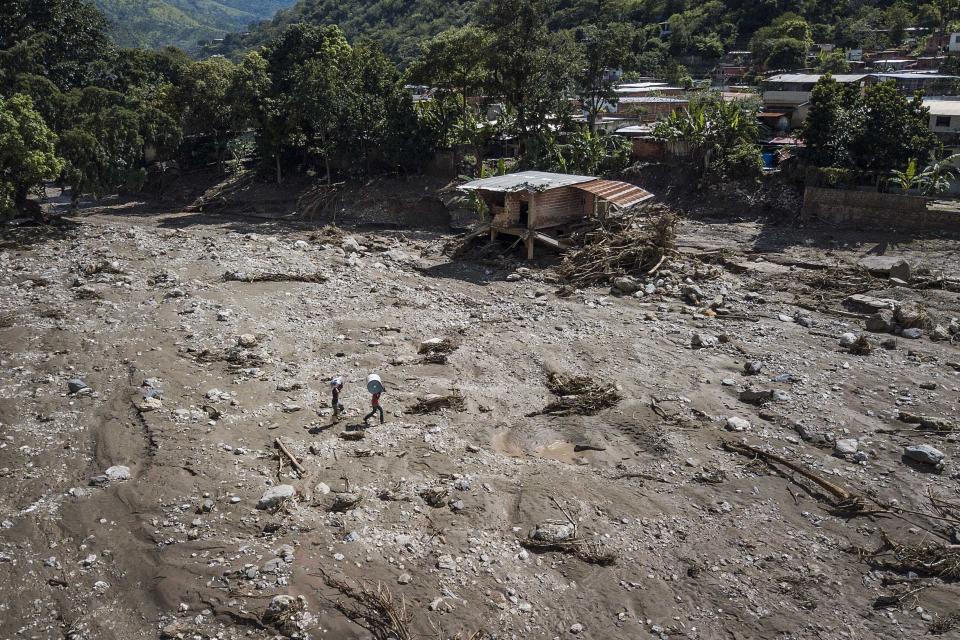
column 708, row 543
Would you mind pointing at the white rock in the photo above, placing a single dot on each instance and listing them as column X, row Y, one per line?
column 146, row 405
column 273, row 496
column 735, row 423
column 924, row 453
column 847, row 340
column 846, row 447
column 350, row 245
column 118, row 473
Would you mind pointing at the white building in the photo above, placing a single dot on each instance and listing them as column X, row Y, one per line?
column 944, row 116
column 954, row 44
column 790, row 90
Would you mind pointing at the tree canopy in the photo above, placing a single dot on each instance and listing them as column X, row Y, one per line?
column 875, row 129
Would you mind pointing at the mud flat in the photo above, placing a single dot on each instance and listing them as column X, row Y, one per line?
column 147, row 370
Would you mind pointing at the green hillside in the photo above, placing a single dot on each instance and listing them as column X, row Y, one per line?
column 156, row 23
column 698, row 27
column 398, row 25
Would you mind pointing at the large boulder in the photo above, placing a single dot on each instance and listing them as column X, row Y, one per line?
column 626, row 285
column 846, row 447
column 350, row 245
column 902, row 270
column 553, row 532
column 924, row 453
column 275, row 496
column 117, row 473
column 881, row 322
column 736, row 423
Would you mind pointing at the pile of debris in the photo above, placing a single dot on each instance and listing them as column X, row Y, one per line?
column 621, row 246
column 436, row 350
column 434, row 403
column 925, row 559
column 579, row 395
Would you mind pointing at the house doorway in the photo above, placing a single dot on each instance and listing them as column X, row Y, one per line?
column 524, row 214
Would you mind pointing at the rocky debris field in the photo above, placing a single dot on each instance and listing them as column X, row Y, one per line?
column 757, row 440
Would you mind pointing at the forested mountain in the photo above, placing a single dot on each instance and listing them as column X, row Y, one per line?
column 398, row 25
column 696, row 27
column 154, row 23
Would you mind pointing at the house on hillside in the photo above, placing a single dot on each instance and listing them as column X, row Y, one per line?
column 732, row 68
column 786, row 95
column 954, row 43
column 647, row 88
column 538, row 207
column 649, row 108
column 787, row 91
column 945, row 119
column 909, row 82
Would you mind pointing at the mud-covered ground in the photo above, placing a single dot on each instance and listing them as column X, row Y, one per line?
column 192, row 374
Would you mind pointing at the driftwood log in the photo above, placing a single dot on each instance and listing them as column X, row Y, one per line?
column 296, row 463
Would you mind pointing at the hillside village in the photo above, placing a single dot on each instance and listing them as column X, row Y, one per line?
column 480, row 320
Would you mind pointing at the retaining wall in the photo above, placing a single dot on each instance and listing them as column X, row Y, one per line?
column 869, row 209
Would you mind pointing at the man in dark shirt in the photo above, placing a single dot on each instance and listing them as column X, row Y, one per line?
column 336, row 386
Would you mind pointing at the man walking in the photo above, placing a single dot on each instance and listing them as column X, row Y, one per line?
column 336, row 386
column 376, row 388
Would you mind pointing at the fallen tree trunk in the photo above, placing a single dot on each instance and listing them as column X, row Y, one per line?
column 837, row 491
column 313, row 278
column 296, row 463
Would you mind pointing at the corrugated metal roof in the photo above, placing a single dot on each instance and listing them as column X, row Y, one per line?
column 651, row 100
column 526, row 181
column 814, row 77
column 785, row 140
column 635, row 129
column 633, row 86
column 943, row 107
column 915, row 75
column 620, row 194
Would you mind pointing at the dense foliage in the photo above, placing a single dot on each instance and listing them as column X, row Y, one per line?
column 719, row 137
column 324, row 101
column 876, row 129
column 27, row 154
column 700, row 29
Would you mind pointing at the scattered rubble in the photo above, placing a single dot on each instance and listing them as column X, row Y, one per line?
column 719, row 463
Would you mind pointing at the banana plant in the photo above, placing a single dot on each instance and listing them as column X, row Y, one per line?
column 909, row 178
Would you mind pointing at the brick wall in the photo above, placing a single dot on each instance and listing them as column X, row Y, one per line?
column 559, row 206
column 647, row 149
column 869, row 209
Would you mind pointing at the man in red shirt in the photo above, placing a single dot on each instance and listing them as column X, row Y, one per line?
column 375, row 403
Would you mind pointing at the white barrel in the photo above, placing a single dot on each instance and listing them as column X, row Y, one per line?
column 374, row 384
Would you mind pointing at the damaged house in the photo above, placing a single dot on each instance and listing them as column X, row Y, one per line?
column 539, row 207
